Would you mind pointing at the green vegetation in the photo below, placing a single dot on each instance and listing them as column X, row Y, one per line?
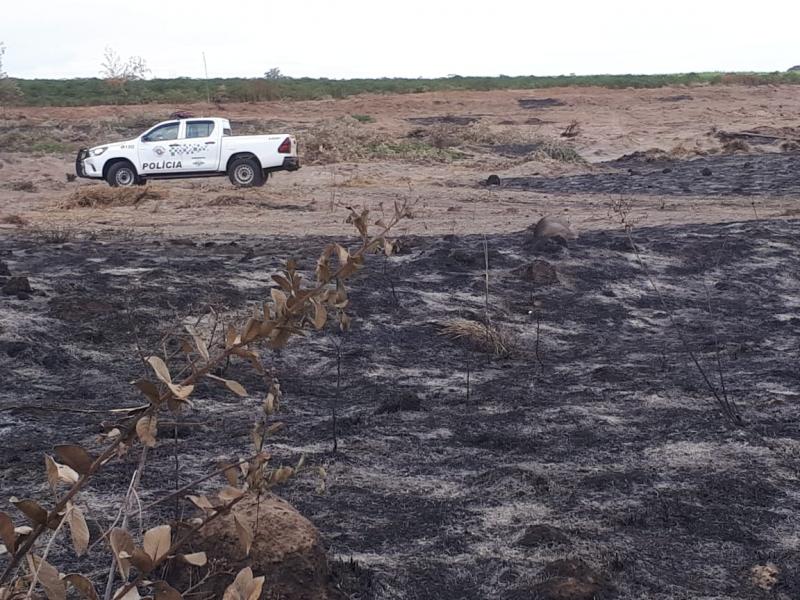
column 79, row 92
column 363, row 118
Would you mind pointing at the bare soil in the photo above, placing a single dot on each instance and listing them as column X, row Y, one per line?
column 592, row 460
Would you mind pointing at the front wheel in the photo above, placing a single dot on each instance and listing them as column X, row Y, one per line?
column 246, row 172
column 121, row 175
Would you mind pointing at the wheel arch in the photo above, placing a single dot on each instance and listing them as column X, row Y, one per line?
column 238, row 155
column 110, row 163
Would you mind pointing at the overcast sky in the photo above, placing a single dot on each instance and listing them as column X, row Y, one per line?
column 408, row 38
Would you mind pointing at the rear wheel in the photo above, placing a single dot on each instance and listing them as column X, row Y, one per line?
column 246, row 172
column 121, row 174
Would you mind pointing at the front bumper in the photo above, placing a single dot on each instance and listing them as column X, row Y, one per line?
column 80, row 170
column 82, row 161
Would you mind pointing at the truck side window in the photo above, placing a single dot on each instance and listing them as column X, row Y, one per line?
column 226, row 131
column 199, row 129
column 166, row 132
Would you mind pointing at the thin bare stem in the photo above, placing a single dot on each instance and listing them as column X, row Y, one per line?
column 45, row 553
column 125, row 512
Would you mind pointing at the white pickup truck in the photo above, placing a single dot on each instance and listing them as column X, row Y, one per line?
column 201, row 147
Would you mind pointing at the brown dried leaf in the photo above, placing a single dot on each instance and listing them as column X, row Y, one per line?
column 131, row 594
column 237, row 589
column 196, row 559
column 157, row 541
column 251, row 331
column 32, row 510
column 279, row 298
column 281, row 475
column 342, row 253
column 201, row 502
column 57, row 472
column 83, row 585
column 231, row 337
column 257, row 436
column 141, row 560
column 252, row 355
column 232, row 385
column 280, row 337
column 320, row 315
column 7, row 534
column 269, row 404
column 244, row 533
column 149, row 389
column 53, row 586
column 181, row 392
column 147, row 430
column 344, row 321
column 229, row 493
column 283, row 282
column 52, row 471
column 253, row 590
column 275, row 428
column 122, row 543
column 266, row 328
column 165, row 591
column 236, row 388
column 78, row 530
column 199, row 343
column 230, row 473
column 160, row 368
column 76, row 457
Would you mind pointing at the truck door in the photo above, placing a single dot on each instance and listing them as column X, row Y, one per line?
column 200, row 146
column 157, row 149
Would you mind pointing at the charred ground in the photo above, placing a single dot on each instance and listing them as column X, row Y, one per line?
column 603, row 446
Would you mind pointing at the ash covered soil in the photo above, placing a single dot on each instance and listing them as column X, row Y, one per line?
column 727, row 175
column 596, row 442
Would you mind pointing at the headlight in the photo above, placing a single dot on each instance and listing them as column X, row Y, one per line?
column 98, row 151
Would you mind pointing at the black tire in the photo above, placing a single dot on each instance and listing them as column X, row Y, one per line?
column 122, row 174
column 246, row 172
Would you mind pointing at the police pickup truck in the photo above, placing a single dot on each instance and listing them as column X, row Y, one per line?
column 200, row 147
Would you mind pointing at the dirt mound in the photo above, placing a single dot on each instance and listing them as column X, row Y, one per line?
column 96, row 196
column 540, row 102
column 553, row 227
column 571, row 579
column 449, row 120
column 286, row 548
column 675, row 98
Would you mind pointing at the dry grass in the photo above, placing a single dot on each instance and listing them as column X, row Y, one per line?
column 97, row 196
column 348, row 140
column 448, row 135
column 733, row 146
column 14, row 220
column 485, row 338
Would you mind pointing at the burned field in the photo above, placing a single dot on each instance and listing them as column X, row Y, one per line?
column 590, row 459
column 642, row 174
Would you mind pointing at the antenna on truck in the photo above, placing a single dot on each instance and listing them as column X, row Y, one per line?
column 205, row 68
